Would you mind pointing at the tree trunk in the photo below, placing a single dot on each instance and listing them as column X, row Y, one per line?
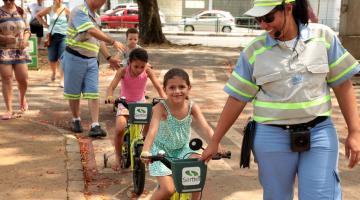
column 149, row 22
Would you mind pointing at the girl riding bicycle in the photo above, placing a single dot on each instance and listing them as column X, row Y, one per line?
column 170, row 130
column 133, row 83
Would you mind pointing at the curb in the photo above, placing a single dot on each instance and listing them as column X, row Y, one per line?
column 75, row 174
column 190, row 34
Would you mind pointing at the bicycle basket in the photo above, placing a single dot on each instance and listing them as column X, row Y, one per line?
column 189, row 175
column 140, row 113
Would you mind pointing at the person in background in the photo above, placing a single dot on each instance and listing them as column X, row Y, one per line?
column 132, row 78
column 36, row 27
column 80, row 64
column 14, row 36
column 132, row 39
column 287, row 73
column 59, row 15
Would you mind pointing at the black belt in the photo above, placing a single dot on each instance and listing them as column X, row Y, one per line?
column 75, row 53
column 310, row 124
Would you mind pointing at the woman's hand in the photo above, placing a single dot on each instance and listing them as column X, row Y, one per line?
column 144, row 155
column 352, row 147
column 23, row 44
column 209, row 152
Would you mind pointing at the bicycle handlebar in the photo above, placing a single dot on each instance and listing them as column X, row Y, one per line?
column 167, row 162
column 123, row 101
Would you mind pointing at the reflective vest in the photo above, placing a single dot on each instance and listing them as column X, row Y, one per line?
column 77, row 37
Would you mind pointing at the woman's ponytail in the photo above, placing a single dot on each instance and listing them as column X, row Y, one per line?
column 300, row 11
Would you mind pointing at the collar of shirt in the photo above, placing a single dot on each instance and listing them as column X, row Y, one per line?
column 92, row 14
column 305, row 34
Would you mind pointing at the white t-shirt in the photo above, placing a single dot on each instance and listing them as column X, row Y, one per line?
column 34, row 8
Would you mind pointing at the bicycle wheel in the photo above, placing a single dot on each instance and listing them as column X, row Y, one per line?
column 125, row 151
column 139, row 171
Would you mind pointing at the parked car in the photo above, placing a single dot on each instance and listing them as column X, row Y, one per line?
column 122, row 6
column 121, row 18
column 209, row 20
column 134, row 6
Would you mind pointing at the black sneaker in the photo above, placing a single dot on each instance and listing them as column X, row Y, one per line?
column 97, row 131
column 76, row 126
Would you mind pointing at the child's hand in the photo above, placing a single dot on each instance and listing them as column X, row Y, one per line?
column 144, row 157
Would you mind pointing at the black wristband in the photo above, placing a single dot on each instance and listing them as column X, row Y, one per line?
column 108, row 58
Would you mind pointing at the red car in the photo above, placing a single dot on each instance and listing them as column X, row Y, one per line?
column 121, row 18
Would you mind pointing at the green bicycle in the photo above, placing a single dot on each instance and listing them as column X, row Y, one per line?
column 133, row 141
column 189, row 174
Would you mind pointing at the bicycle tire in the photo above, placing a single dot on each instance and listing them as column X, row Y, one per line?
column 125, row 151
column 138, row 172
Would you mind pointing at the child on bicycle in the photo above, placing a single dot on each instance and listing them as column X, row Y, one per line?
column 132, row 39
column 170, row 130
column 132, row 79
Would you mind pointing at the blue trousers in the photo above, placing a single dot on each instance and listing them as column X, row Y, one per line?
column 316, row 169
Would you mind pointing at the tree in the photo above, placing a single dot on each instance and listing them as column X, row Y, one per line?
column 149, row 22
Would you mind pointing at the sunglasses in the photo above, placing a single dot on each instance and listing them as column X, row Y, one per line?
column 270, row 17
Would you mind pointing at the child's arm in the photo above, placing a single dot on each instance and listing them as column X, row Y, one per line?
column 201, row 123
column 155, row 82
column 158, row 112
column 110, row 91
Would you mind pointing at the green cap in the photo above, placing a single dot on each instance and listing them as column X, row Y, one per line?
column 263, row 7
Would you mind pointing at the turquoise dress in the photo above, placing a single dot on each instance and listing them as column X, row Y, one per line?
column 173, row 137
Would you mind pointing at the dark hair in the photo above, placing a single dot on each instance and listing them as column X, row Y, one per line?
column 138, row 54
column 20, row 11
column 300, row 11
column 131, row 30
column 176, row 72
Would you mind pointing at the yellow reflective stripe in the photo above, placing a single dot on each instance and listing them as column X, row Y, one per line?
column 292, row 106
column 241, row 79
column 343, row 73
column 84, row 45
column 72, row 96
column 270, row 3
column 85, row 26
column 255, row 40
column 72, row 31
column 258, row 52
column 239, row 92
column 91, row 94
column 327, row 44
column 332, row 65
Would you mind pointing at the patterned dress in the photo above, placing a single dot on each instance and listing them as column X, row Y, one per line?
column 12, row 24
column 173, row 137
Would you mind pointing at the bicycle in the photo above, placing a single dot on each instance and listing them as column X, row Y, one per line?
column 133, row 141
column 189, row 174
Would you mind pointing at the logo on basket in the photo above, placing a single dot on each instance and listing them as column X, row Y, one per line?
column 191, row 176
column 141, row 113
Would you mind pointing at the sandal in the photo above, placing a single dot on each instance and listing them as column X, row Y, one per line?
column 7, row 116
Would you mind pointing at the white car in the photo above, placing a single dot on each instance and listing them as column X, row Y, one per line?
column 209, row 20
